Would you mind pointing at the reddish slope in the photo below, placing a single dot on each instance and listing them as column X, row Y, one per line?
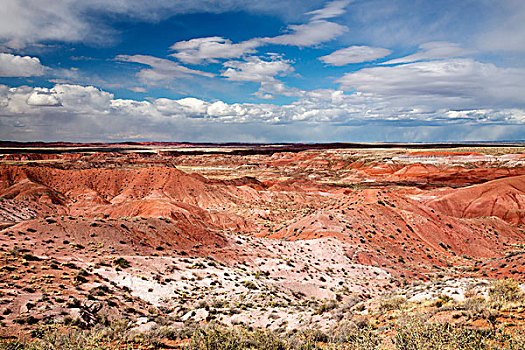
column 392, row 230
column 503, row 198
column 189, row 200
column 115, row 185
column 430, row 174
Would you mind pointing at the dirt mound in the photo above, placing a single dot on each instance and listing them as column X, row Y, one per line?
column 503, row 198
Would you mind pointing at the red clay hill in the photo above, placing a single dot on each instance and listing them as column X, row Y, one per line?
column 411, row 215
column 410, row 210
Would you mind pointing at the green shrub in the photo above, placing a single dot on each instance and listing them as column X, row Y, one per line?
column 121, row 262
column 249, row 284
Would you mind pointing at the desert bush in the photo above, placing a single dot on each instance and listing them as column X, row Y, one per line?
column 475, row 307
column 421, row 336
column 442, row 300
column 415, row 335
column 109, row 337
column 156, row 335
column 55, row 340
column 13, row 345
column 249, row 284
column 504, row 291
column 355, row 337
column 514, row 340
column 325, row 306
column 121, row 262
column 307, row 339
column 393, row 303
column 234, row 338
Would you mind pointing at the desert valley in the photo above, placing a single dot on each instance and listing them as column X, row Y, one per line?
column 162, row 239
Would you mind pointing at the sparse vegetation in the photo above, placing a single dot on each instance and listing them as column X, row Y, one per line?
column 337, row 269
column 121, row 263
column 392, row 303
column 505, row 291
column 415, row 335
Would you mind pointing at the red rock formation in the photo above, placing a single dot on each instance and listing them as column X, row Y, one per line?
column 503, row 198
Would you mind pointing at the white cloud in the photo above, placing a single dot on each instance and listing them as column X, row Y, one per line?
column 309, row 34
column 83, row 99
column 433, row 51
column 137, row 89
column 162, row 70
column 270, row 88
column 316, row 31
column 23, row 23
column 461, row 83
column 63, row 97
column 87, row 113
column 355, row 54
column 193, row 106
column 209, row 49
column 488, row 115
column 43, row 97
column 256, row 69
column 331, row 10
column 20, row 66
column 133, row 108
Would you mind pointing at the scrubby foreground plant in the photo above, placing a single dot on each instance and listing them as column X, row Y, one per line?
column 420, row 336
column 413, row 336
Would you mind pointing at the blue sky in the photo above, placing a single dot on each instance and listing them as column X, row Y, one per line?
column 262, row 71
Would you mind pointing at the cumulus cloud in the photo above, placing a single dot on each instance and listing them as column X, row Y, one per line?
column 62, row 97
column 355, row 54
column 255, row 69
column 433, row 51
column 326, row 105
column 83, row 99
column 269, row 89
column 192, row 106
column 162, row 70
column 209, row 49
column 87, row 113
column 43, row 97
column 20, row 66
